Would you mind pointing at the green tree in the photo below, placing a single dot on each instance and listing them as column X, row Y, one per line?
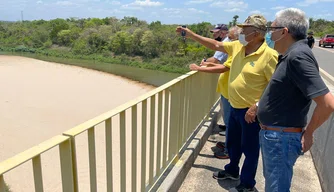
column 149, row 45
column 121, row 43
column 56, row 26
column 235, row 20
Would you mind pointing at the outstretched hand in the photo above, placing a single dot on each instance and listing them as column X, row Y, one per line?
column 179, row 29
column 194, row 67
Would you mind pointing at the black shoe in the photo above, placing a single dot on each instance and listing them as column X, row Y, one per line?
column 221, row 175
column 223, row 127
column 221, row 155
column 242, row 188
column 220, row 145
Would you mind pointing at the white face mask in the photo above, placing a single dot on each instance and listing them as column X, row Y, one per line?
column 242, row 39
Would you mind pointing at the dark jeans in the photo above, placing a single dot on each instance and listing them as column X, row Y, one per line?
column 243, row 137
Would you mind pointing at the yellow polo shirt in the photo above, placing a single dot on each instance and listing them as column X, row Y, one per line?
column 222, row 85
column 249, row 75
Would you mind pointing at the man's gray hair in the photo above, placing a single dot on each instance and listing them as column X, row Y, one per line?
column 295, row 20
column 235, row 30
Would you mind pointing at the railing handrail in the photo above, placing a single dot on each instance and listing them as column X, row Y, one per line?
column 95, row 121
column 29, row 154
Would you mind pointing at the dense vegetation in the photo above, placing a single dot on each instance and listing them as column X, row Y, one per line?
column 127, row 41
column 320, row 27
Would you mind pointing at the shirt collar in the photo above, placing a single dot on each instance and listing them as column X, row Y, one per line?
column 260, row 50
column 293, row 46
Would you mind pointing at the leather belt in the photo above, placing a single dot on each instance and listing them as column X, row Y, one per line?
column 288, row 129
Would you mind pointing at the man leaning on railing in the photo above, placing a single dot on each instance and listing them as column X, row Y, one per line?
column 251, row 69
column 283, row 107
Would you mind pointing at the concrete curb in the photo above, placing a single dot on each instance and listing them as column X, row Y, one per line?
column 176, row 176
column 326, row 76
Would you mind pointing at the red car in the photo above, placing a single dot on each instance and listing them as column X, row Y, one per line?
column 327, row 40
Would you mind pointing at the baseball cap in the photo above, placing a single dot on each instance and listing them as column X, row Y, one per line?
column 255, row 20
column 310, row 33
column 219, row 27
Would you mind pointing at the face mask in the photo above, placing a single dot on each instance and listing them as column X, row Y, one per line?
column 242, row 39
column 270, row 42
column 218, row 39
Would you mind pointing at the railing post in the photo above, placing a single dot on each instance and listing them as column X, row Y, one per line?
column 74, row 164
column 134, row 148
column 122, row 130
column 2, row 184
column 109, row 161
column 166, row 123
column 152, row 134
column 181, row 133
column 92, row 159
column 37, row 169
column 143, row 146
column 66, row 160
column 159, row 133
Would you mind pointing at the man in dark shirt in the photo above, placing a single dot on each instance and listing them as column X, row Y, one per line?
column 283, row 107
column 310, row 40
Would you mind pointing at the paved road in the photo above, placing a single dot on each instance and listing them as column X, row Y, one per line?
column 325, row 58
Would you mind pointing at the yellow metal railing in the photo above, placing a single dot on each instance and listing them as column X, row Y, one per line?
column 159, row 122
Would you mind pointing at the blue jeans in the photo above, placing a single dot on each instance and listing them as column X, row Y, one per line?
column 280, row 151
column 226, row 107
column 243, row 138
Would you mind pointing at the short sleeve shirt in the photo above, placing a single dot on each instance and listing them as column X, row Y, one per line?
column 288, row 96
column 221, row 56
column 249, row 75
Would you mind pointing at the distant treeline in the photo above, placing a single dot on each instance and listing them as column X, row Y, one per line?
column 127, row 41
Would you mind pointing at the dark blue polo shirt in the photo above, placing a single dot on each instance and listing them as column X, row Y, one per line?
column 295, row 82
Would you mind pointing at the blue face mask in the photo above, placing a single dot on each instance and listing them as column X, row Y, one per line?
column 270, row 42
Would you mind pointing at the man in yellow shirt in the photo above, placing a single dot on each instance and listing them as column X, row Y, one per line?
column 223, row 68
column 252, row 67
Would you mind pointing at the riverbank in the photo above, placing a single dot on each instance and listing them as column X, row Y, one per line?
column 150, row 77
column 164, row 64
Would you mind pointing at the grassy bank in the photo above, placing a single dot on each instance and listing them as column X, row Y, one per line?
column 165, row 63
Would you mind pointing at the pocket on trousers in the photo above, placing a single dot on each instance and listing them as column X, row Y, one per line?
column 272, row 136
column 296, row 144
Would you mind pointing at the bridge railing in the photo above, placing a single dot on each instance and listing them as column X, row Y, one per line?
column 142, row 138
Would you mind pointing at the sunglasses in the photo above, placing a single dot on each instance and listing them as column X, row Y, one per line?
column 274, row 28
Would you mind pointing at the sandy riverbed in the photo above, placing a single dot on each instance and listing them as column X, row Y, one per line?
column 39, row 100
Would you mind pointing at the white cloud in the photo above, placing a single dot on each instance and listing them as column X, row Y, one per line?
column 64, row 3
column 182, row 13
column 234, row 10
column 115, row 2
column 310, row 2
column 278, row 8
column 197, row 2
column 139, row 5
column 172, row 11
column 258, row 12
column 146, row 3
column 39, row 2
column 231, row 6
column 129, row 7
column 197, row 11
column 255, row 12
column 325, row 15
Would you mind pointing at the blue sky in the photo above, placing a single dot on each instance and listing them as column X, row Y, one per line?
column 168, row 12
